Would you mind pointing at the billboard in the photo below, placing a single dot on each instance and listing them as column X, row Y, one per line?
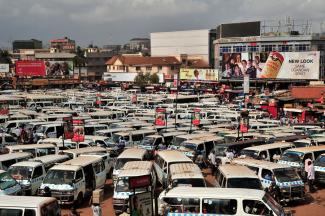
column 141, row 204
column 243, row 29
column 272, row 65
column 30, row 68
column 198, row 74
column 4, row 68
column 59, row 68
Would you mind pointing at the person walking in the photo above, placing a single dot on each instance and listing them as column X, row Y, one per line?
column 311, row 177
column 97, row 210
column 212, row 161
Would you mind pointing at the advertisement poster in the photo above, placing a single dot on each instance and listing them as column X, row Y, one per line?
column 273, row 65
column 4, row 68
column 78, row 130
column 141, row 204
column 68, row 127
column 160, row 117
column 196, row 117
column 199, row 74
column 30, row 68
column 59, row 68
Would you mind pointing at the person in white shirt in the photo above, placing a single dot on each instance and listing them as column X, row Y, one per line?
column 311, row 176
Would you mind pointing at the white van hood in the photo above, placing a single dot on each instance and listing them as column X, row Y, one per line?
column 63, row 187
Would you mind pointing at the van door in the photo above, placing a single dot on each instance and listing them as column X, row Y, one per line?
column 37, row 178
column 51, row 132
column 100, row 174
column 159, row 163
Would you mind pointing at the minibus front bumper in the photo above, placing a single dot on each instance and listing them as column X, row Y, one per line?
column 292, row 193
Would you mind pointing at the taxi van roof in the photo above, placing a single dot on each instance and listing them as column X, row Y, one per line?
column 14, row 155
column 258, row 163
column 270, row 146
column 173, row 155
column 83, row 150
column 133, row 153
column 237, row 171
column 308, row 149
column 174, row 133
column 24, row 201
column 190, row 192
column 82, row 161
column 185, row 170
column 136, row 168
column 29, row 146
column 49, row 158
column 135, row 132
column 28, row 163
column 194, row 136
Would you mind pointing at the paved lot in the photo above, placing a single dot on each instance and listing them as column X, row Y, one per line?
column 314, row 205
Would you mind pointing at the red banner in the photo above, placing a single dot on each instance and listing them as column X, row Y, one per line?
column 30, row 68
column 196, row 120
column 139, row 182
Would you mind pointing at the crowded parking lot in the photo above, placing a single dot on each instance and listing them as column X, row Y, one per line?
column 134, row 153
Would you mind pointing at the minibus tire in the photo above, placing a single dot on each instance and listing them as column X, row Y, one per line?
column 79, row 199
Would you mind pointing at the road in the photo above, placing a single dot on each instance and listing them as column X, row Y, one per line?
column 313, row 206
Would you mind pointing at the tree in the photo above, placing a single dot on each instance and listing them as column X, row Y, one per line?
column 154, row 78
column 5, row 57
column 79, row 60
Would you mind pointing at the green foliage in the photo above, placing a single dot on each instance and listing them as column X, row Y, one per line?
column 79, row 60
column 5, row 57
column 143, row 79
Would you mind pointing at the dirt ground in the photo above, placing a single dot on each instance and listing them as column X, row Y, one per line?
column 313, row 206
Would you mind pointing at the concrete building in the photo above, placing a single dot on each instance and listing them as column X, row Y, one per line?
column 26, row 44
column 259, row 39
column 95, row 64
column 167, row 66
column 184, row 45
column 62, row 45
column 139, row 44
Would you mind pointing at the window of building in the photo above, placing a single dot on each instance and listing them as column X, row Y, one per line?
column 285, row 48
column 225, row 49
column 137, row 68
column 159, row 68
column 253, row 48
column 239, row 49
column 148, row 68
column 268, row 48
column 302, row 47
column 172, row 67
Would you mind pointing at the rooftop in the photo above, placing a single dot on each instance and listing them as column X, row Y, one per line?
column 138, row 60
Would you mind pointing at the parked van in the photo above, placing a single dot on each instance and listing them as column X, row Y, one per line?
column 108, row 160
column 319, row 166
column 133, row 138
column 109, row 132
column 235, row 176
column 27, row 205
column 185, row 174
column 36, row 150
column 29, row 174
column 202, row 145
column 50, row 160
column 6, row 160
column 296, row 157
column 73, row 153
column 6, row 140
column 286, row 178
column 90, row 129
column 72, row 180
column 121, row 188
column 309, row 142
column 175, row 144
column 8, row 185
column 268, row 152
column 164, row 159
column 50, row 130
column 131, row 154
column 12, row 126
column 183, row 201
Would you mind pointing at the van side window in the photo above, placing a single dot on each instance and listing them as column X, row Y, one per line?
column 159, row 162
column 317, row 153
column 219, row 206
column 4, row 211
column 267, row 174
column 38, row 172
column 263, row 155
column 50, row 130
column 79, row 175
column 29, row 212
column 98, row 167
column 7, row 164
column 254, row 207
column 220, row 180
column 255, row 169
column 273, row 152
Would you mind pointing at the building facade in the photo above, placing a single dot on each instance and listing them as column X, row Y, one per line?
column 63, row 45
column 259, row 44
column 134, row 64
column 96, row 64
column 26, row 44
column 194, row 44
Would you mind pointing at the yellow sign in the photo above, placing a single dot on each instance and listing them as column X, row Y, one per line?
column 199, row 74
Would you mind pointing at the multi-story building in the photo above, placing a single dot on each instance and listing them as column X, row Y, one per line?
column 193, row 45
column 26, row 44
column 254, row 41
column 63, row 45
column 96, row 63
column 139, row 44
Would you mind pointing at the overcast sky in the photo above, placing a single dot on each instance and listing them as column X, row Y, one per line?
column 116, row 21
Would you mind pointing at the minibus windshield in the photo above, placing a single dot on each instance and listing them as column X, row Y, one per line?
column 286, row 175
column 122, row 185
column 301, row 144
column 189, row 182
column 250, row 183
column 188, row 145
column 6, row 181
column 20, row 172
column 59, row 177
column 249, row 153
column 121, row 161
column 292, row 156
column 320, row 161
column 147, row 141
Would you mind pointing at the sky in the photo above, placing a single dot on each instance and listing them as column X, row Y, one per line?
column 116, row 21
